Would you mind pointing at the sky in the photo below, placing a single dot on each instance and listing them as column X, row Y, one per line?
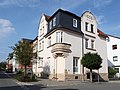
column 20, row 18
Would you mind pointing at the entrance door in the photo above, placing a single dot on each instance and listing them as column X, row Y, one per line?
column 75, row 65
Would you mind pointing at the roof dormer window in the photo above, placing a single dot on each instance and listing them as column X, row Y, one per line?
column 75, row 23
column 50, row 25
column 54, row 21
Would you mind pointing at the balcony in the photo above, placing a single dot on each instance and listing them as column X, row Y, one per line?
column 60, row 48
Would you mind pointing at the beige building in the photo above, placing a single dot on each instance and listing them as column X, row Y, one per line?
column 63, row 39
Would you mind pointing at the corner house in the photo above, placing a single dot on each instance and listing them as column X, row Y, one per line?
column 63, row 39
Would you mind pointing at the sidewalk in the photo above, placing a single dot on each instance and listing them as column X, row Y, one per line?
column 114, row 81
column 48, row 82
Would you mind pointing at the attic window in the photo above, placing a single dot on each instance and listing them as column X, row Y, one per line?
column 114, row 47
column 54, row 21
column 50, row 25
column 75, row 23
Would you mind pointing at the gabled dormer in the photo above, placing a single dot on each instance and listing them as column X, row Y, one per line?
column 43, row 25
column 62, row 19
column 88, row 23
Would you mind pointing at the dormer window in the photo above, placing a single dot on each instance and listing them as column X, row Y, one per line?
column 75, row 23
column 50, row 25
column 92, row 28
column 86, row 26
column 54, row 21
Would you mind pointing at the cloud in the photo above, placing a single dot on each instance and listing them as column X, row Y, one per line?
column 100, row 19
column 101, row 3
column 20, row 3
column 6, row 28
column 42, row 3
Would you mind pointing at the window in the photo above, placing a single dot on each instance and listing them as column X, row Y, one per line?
column 75, row 65
column 75, row 23
column 115, row 58
column 92, row 30
column 49, row 41
column 59, row 37
column 117, row 70
column 42, row 45
column 92, row 44
column 86, row 26
column 86, row 43
column 54, row 21
column 50, row 24
column 114, row 47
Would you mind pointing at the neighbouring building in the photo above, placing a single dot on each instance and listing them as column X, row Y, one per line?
column 113, row 53
column 63, row 39
column 35, row 51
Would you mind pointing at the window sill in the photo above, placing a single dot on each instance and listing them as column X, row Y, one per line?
column 90, row 32
column 40, row 50
column 91, row 49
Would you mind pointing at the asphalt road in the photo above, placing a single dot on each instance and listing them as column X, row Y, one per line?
column 7, row 83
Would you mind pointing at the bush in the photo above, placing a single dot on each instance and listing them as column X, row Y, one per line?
column 111, row 71
column 20, row 77
column 44, row 75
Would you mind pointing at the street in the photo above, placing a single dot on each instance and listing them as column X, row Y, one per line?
column 7, row 83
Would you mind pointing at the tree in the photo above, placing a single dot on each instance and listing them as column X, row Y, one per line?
column 3, row 65
column 91, row 61
column 23, row 52
column 111, row 71
column 10, row 56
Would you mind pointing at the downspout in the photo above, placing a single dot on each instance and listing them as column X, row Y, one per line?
column 82, row 56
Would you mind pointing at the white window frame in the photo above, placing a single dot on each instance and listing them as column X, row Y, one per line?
column 92, row 44
column 54, row 21
column 86, row 26
column 42, row 45
column 92, row 28
column 49, row 41
column 86, row 43
column 50, row 25
column 115, row 58
column 74, row 22
column 59, row 37
column 75, row 65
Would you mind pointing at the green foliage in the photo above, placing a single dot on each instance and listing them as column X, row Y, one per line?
column 91, row 61
column 27, row 78
column 10, row 56
column 111, row 71
column 23, row 52
column 3, row 65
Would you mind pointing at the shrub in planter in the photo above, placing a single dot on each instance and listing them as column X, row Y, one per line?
column 44, row 75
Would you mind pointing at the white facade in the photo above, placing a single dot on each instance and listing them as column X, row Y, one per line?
column 113, row 51
column 60, row 52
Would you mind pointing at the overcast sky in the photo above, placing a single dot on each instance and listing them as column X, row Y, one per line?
column 20, row 18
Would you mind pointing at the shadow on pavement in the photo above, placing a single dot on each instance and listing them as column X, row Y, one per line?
column 26, row 87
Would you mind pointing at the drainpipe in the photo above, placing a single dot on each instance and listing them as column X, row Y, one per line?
column 82, row 56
